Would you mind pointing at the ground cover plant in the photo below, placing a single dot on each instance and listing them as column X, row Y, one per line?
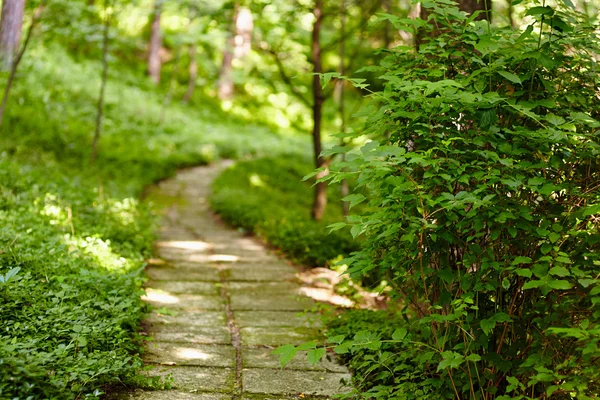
column 265, row 197
column 74, row 237
column 483, row 193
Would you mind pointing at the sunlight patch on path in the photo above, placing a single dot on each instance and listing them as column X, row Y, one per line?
column 222, row 303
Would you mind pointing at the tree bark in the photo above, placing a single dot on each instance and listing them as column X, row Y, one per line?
column 19, row 56
column 104, row 78
column 345, row 190
column 470, row 6
column 387, row 8
column 193, row 74
column 320, row 199
column 11, row 25
column 225, row 89
column 154, row 62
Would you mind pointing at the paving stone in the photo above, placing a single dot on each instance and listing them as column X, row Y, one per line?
column 276, row 318
column 181, row 273
column 204, row 319
column 275, row 288
column 184, row 333
column 182, row 287
column 288, row 382
column 264, row 358
column 194, row 379
column 278, row 336
column 168, row 395
column 268, row 301
column 260, row 272
column 183, row 302
column 190, row 354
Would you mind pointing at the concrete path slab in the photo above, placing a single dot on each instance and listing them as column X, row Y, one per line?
column 222, row 302
column 287, row 382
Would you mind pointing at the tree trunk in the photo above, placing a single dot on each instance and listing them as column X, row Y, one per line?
column 155, row 44
column 387, row 8
column 225, row 89
column 340, row 95
column 19, row 56
column 11, row 25
column 193, row 74
column 100, row 107
column 320, row 199
column 169, row 96
column 511, row 14
column 470, row 6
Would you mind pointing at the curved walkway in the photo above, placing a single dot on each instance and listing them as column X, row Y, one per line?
column 222, row 304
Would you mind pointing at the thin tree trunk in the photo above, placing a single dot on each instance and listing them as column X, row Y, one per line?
column 17, row 60
column 470, row 6
column 511, row 14
column 100, row 107
column 154, row 62
column 11, row 25
column 387, row 8
column 193, row 74
column 169, row 96
column 320, row 199
column 341, row 99
column 225, row 89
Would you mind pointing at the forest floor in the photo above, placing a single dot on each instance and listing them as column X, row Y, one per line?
column 222, row 303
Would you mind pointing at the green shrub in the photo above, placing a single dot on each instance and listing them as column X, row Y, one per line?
column 265, row 196
column 484, row 206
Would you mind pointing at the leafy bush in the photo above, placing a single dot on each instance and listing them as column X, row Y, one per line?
column 265, row 196
column 484, row 206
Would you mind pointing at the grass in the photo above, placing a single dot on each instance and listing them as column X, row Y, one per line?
column 74, row 237
column 265, row 196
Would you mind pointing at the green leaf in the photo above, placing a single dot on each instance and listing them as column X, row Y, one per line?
column 354, row 199
column 559, row 271
column 559, row 284
column 399, row 334
column 539, row 11
column 521, row 260
column 286, row 354
column 473, row 357
column 343, row 348
column 307, row 346
column 356, row 230
column 510, row 76
column 336, row 226
column 451, row 360
column 336, row 339
column 533, row 284
column 315, row 355
column 591, row 210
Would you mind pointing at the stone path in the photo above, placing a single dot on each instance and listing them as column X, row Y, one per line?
column 222, row 304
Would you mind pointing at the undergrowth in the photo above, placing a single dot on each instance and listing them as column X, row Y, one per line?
column 73, row 236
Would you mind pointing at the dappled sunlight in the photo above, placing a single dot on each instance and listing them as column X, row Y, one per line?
column 101, row 251
column 184, row 245
column 125, row 211
column 189, row 353
column 208, row 258
column 327, row 296
column 159, row 296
